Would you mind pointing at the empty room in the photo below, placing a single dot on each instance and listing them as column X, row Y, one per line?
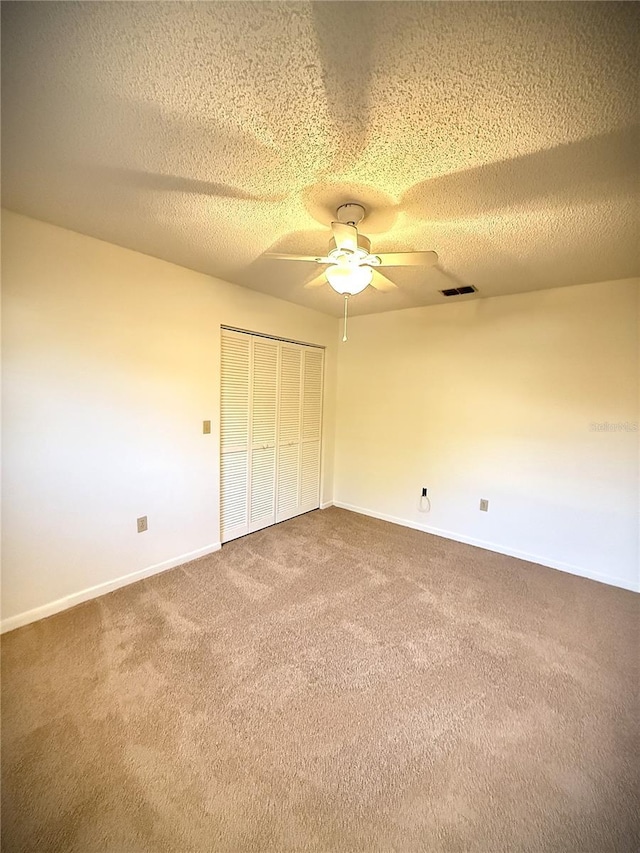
column 320, row 427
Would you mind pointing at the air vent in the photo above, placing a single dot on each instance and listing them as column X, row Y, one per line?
column 459, row 291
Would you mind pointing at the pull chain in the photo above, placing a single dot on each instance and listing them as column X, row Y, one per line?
column 346, row 302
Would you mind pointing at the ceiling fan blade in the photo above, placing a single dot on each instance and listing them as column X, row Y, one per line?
column 346, row 236
column 408, row 259
column 382, row 283
column 278, row 257
column 318, row 281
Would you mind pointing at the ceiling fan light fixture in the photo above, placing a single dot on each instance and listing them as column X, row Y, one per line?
column 349, row 280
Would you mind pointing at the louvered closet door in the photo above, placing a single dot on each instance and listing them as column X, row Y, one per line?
column 289, row 432
column 271, row 416
column 264, row 400
column 313, row 363
column 234, row 435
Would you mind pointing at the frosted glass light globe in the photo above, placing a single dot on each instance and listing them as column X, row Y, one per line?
column 344, row 278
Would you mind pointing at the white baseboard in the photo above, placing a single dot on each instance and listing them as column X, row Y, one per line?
column 623, row 583
column 101, row 589
column 326, row 505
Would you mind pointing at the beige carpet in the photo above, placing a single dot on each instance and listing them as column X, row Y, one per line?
column 334, row 683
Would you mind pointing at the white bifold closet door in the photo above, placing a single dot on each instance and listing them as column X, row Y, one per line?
column 271, row 416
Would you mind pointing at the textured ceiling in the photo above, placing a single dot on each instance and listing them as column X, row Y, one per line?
column 501, row 135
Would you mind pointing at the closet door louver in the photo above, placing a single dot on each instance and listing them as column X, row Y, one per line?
column 264, row 399
column 289, row 429
column 234, row 435
column 271, row 416
column 311, row 427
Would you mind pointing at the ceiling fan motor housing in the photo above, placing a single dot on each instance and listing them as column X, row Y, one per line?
column 364, row 247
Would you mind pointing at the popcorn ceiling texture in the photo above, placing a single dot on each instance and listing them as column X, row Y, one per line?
column 502, row 135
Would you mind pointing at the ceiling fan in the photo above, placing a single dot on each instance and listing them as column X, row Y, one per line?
column 350, row 265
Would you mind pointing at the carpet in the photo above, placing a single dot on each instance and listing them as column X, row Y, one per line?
column 333, row 683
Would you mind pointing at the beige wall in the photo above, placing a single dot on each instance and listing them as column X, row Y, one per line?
column 495, row 398
column 111, row 363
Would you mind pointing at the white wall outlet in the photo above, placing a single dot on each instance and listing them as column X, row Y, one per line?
column 484, row 505
column 142, row 524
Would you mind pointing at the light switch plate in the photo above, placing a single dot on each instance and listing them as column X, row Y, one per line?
column 206, row 427
column 142, row 524
column 484, row 505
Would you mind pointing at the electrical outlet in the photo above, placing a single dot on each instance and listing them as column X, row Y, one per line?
column 206, row 427
column 424, row 491
column 484, row 505
column 142, row 524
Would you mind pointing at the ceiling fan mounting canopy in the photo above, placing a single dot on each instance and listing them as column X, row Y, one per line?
column 351, row 213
